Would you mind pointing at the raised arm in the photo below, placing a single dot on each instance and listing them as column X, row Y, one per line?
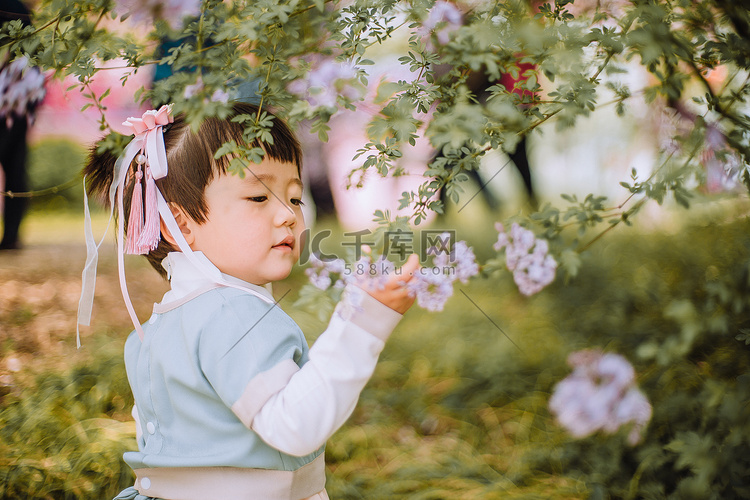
column 314, row 401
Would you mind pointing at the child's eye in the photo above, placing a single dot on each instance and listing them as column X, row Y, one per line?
column 297, row 202
column 258, row 199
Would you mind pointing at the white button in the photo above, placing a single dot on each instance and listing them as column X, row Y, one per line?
column 150, row 427
column 145, row 483
column 152, row 319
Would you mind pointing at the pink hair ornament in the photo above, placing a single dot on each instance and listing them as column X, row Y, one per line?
column 147, row 148
column 144, row 235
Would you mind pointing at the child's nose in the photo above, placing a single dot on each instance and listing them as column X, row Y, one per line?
column 285, row 214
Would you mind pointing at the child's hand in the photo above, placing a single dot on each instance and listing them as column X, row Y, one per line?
column 394, row 293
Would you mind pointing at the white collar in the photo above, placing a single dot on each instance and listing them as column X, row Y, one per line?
column 185, row 278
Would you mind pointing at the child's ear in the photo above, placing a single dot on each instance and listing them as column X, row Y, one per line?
column 183, row 222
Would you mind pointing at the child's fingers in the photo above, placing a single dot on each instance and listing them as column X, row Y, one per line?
column 407, row 271
column 410, row 267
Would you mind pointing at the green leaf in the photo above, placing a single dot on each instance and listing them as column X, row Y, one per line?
column 744, row 336
column 570, row 261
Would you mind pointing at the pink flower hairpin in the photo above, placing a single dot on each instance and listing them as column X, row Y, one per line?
column 150, row 120
column 143, row 222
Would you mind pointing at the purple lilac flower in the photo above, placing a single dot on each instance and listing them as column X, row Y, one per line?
column 635, row 408
column 337, row 267
column 502, row 237
column 534, row 272
column 432, row 287
column 172, row 11
column 444, row 18
column 324, row 274
column 461, row 262
column 21, row 89
column 465, row 261
column 600, row 395
column 325, row 82
column 320, row 279
column 527, row 257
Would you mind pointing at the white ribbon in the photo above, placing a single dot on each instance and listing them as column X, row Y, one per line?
column 88, row 278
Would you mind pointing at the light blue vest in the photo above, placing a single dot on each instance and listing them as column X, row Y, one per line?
column 193, row 365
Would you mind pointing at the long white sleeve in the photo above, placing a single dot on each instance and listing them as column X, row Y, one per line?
column 319, row 397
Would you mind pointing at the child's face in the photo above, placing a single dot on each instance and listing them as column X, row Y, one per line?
column 254, row 223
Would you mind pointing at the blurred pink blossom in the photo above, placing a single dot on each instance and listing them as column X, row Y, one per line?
column 444, row 18
column 527, row 257
column 171, row 11
column 600, row 395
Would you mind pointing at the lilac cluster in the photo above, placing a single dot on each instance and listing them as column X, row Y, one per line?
column 337, row 274
column 461, row 261
column 324, row 274
column 444, row 18
column 21, row 89
column 600, row 395
column 433, row 286
column 325, row 82
column 527, row 257
column 171, row 11
column 432, row 289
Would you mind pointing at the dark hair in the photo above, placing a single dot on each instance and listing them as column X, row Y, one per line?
column 190, row 157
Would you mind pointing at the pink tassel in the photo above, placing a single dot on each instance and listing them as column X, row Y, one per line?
column 150, row 236
column 135, row 221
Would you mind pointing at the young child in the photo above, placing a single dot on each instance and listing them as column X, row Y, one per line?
column 229, row 402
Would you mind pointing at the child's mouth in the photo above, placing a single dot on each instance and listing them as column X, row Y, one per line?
column 286, row 243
